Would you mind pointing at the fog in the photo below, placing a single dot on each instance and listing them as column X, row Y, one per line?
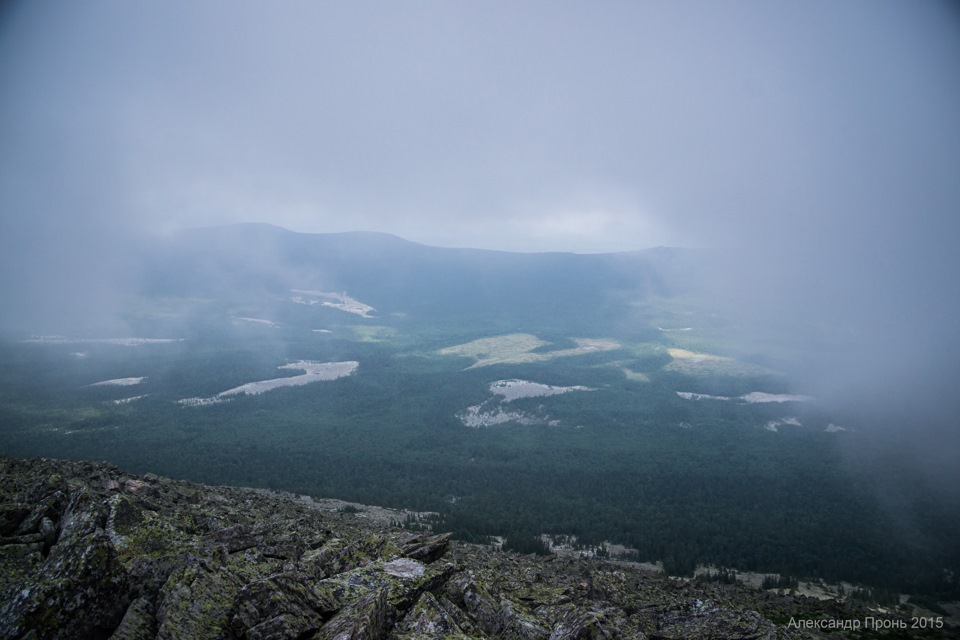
column 812, row 147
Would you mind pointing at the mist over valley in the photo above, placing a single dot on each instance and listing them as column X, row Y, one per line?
column 599, row 396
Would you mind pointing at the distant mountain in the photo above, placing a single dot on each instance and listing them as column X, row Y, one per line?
column 392, row 274
column 383, row 264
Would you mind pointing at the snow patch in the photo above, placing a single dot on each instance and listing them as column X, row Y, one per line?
column 773, row 424
column 689, row 395
column 754, row 397
column 118, row 382
column 125, row 342
column 491, row 412
column 335, row 300
column 269, row 323
column 760, row 397
column 200, row 402
column 313, row 372
column 513, row 389
column 485, row 415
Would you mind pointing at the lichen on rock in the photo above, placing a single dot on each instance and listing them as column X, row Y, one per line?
column 91, row 552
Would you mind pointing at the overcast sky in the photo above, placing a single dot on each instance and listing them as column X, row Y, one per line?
column 816, row 142
column 518, row 125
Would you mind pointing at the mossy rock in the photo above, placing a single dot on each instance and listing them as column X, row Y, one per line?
column 193, row 561
column 81, row 591
column 196, row 601
column 281, row 606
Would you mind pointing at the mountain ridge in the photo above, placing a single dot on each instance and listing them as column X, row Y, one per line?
column 244, row 261
column 250, row 229
column 92, row 551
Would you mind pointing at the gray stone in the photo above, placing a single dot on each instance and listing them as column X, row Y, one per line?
column 81, row 559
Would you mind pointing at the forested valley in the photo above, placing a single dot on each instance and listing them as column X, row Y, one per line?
column 612, row 415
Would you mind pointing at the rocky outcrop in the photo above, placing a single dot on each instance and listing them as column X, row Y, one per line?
column 89, row 551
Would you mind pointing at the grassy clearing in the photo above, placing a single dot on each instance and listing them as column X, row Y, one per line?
column 518, row 348
column 373, row 333
column 707, row 364
column 514, row 347
column 635, row 376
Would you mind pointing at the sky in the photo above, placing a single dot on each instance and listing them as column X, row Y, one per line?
column 536, row 126
column 814, row 146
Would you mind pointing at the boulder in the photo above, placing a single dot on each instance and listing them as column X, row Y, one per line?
column 281, row 606
column 364, row 619
column 138, row 622
column 195, row 602
column 79, row 591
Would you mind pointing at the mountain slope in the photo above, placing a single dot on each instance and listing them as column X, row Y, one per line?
column 91, row 551
column 394, row 274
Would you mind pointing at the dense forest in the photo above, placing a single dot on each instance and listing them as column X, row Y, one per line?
column 630, row 461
